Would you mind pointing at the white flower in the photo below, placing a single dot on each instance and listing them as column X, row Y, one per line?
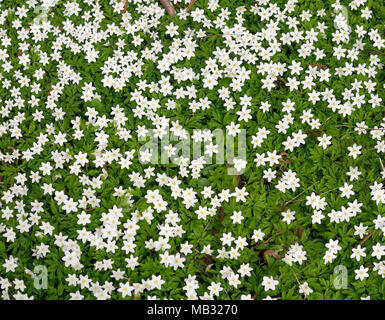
column 215, row 288
column 234, row 280
column 239, row 164
column 237, row 217
column 358, row 253
column 324, row 141
column 354, row 151
column 333, row 246
column 288, row 216
column 304, row 288
column 233, row 129
column 346, row 190
column 317, row 217
column 378, row 250
column 361, row 273
column 353, row 173
column 269, row 283
column 257, row 235
column 329, row 256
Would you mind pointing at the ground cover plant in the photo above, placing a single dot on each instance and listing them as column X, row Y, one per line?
column 105, row 105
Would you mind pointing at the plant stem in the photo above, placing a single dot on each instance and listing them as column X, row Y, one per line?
column 167, row 5
column 190, row 5
column 367, row 237
column 293, row 200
